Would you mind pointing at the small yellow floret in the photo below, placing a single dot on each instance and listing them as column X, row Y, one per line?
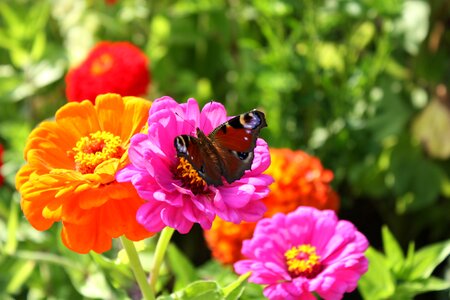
column 92, row 150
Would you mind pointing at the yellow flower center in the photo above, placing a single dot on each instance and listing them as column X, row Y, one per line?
column 102, row 64
column 189, row 177
column 303, row 261
column 92, row 150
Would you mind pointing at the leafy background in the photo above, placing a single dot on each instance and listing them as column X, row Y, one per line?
column 363, row 85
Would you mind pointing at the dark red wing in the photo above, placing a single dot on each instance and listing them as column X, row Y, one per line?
column 200, row 156
column 235, row 141
column 235, row 163
column 239, row 133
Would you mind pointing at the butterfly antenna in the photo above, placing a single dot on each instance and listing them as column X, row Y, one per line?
column 187, row 121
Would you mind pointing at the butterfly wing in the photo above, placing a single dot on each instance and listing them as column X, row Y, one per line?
column 235, row 141
column 199, row 153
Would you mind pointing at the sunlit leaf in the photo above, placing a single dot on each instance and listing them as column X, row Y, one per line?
column 415, row 287
column 378, row 282
column 235, row 289
column 19, row 275
column 392, row 249
column 198, row 290
column 13, row 223
column 428, row 258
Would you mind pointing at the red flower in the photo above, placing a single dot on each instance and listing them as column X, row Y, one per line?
column 110, row 67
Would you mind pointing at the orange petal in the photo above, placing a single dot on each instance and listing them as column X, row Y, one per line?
column 33, row 213
column 122, row 190
column 53, row 155
column 90, row 199
column 78, row 119
column 83, row 238
column 23, row 175
column 135, row 116
column 72, row 213
column 49, row 137
column 110, row 112
column 119, row 218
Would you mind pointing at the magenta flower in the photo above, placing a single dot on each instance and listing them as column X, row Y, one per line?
column 305, row 251
column 176, row 195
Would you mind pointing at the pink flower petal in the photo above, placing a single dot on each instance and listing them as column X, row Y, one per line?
column 154, row 160
column 341, row 244
column 174, row 218
column 213, row 114
column 149, row 216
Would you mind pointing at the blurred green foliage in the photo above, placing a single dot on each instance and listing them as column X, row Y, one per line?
column 363, row 85
column 394, row 276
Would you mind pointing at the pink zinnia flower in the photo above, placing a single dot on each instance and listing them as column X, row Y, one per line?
column 176, row 196
column 303, row 252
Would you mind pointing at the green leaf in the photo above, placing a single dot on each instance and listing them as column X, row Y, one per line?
column 392, row 249
column 87, row 278
column 385, row 7
column 378, row 282
column 40, row 14
column 408, row 264
column 116, row 273
column 90, row 283
column 392, row 116
column 39, row 44
column 428, row 258
column 362, row 36
column 182, row 268
column 416, row 190
column 10, row 17
column 412, row 288
column 20, row 274
column 198, row 290
column 235, row 289
column 13, row 222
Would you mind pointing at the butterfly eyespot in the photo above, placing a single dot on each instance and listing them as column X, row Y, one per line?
column 250, row 120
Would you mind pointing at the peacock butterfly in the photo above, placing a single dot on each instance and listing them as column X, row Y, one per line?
column 227, row 151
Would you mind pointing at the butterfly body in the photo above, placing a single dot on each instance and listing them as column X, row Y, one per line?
column 226, row 152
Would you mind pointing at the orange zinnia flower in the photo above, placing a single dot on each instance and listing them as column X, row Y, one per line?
column 300, row 180
column 70, row 172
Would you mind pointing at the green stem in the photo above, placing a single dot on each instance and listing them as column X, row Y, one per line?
column 161, row 247
column 136, row 266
